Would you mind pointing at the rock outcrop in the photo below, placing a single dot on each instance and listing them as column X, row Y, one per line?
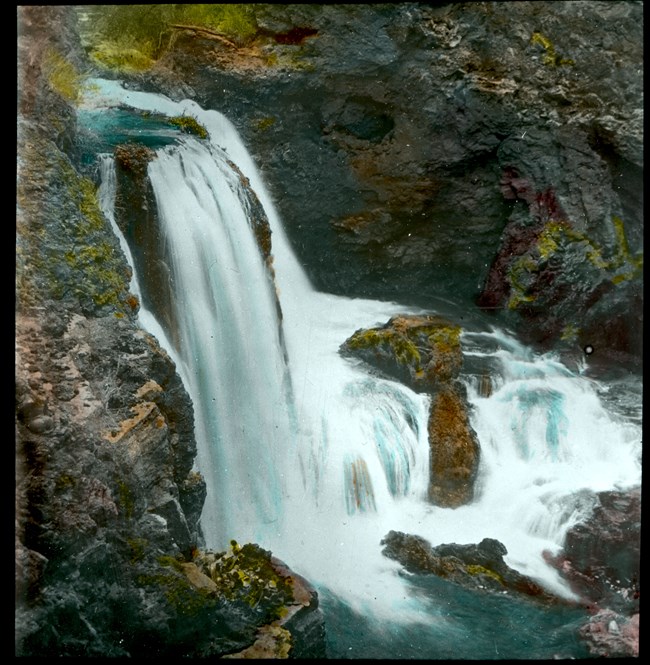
column 424, row 353
column 478, row 567
column 601, row 561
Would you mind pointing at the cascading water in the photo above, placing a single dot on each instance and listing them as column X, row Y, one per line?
column 316, row 459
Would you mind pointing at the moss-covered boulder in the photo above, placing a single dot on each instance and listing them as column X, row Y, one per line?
column 420, row 351
column 424, row 352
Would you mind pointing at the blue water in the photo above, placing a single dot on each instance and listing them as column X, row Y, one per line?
column 456, row 624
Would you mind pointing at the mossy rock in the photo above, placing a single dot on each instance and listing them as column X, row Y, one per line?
column 421, row 351
column 455, row 449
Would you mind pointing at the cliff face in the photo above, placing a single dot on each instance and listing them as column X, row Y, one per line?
column 406, row 146
column 108, row 542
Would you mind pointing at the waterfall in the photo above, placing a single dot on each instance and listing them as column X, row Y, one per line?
column 312, row 456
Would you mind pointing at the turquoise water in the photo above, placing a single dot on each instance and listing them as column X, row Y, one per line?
column 460, row 624
column 101, row 130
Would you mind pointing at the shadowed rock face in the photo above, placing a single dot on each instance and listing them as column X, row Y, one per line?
column 601, row 557
column 386, row 133
column 424, row 353
column 601, row 561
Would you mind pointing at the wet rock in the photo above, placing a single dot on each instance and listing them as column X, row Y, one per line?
column 610, row 635
column 479, row 567
column 455, row 449
column 424, row 353
column 601, row 557
column 386, row 138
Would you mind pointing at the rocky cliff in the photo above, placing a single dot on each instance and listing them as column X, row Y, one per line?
column 487, row 152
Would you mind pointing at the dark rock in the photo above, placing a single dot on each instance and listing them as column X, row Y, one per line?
column 480, row 567
column 601, row 557
column 386, row 135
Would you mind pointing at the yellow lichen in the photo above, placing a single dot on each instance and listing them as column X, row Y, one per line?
column 551, row 58
column 475, row 569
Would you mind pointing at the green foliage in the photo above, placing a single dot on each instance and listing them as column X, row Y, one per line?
column 133, row 37
column 63, row 76
column 236, row 21
column 189, row 125
column 121, row 56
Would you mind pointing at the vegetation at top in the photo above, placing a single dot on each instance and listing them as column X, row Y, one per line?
column 132, row 37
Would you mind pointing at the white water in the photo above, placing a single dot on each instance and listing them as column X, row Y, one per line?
column 317, row 460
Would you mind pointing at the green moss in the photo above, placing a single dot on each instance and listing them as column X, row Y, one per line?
column 263, row 124
column 520, row 276
column 63, row 77
column 138, row 548
column 445, row 338
column 125, row 499
column 632, row 265
column 293, row 61
column 179, row 592
column 551, row 58
column 569, row 333
column 64, row 482
column 171, row 562
column 245, row 573
column 474, row 569
column 404, row 350
column 189, row 125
